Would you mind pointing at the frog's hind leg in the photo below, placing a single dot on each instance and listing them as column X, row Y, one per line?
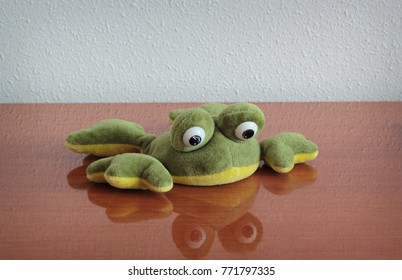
column 131, row 171
column 283, row 150
column 107, row 138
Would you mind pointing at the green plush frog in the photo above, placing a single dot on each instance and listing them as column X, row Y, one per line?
column 211, row 145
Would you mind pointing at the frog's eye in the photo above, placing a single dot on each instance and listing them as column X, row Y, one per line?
column 241, row 121
column 191, row 130
column 246, row 130
column 193, row 136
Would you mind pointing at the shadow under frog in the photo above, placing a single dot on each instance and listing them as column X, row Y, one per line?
column 204, row 214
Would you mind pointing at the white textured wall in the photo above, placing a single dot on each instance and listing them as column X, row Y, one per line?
column 154, row 50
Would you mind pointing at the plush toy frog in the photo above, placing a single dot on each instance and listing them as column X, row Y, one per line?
column 211, row 145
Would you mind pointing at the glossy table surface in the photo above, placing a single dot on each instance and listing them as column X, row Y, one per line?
column 346, row 204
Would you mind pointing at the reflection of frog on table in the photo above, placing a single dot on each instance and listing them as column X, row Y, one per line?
column 211, row 145
column 204, row 213
column 207, row 213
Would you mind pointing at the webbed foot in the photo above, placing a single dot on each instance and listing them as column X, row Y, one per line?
column 131, row 171
column 283, row 150
column 107, row 138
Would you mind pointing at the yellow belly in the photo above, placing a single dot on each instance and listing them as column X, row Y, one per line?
column 229, row 176
column 103, row 150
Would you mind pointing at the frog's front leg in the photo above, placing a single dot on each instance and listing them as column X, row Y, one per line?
column 283, row 150
column 131, row 171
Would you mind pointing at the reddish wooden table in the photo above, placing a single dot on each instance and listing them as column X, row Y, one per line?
column 347, row 204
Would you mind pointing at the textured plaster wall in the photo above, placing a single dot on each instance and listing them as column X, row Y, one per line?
column 184, row 50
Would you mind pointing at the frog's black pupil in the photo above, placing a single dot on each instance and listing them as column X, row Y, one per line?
column 195, row 140
column 248, row 133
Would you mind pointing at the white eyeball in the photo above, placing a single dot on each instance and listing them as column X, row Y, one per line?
column 246, row 130
column 194, row 136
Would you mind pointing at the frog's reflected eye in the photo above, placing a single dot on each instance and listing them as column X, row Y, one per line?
column 193, row 136
column 246, row 130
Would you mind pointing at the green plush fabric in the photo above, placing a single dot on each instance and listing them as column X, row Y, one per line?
column 191, row 118
column 218, row 155
column 214, row 109
column 99, row 167
column 281, row 149
column 111, row 131
column 133, row 166
column 108, row 138
column 213, row 144
column 232, row 116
